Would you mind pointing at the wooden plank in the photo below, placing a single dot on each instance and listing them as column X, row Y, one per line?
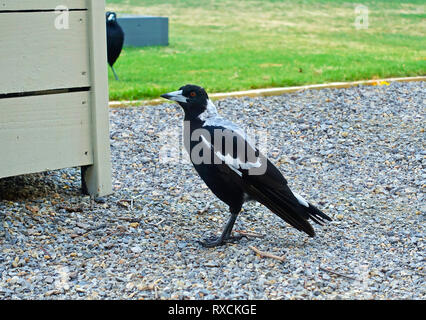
column 41, row 4
column 97, row 178
column 45, row 132
column 37, row 56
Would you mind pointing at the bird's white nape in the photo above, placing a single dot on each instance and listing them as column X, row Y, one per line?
column 210, row 112
column 302, row 201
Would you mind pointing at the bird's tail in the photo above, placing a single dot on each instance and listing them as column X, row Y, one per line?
column 288, row 210
column 316, row 214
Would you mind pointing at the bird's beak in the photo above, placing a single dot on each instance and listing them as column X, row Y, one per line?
column 175, row 96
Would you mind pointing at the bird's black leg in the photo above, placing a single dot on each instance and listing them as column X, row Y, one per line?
column 115, row 74
column 226, row 234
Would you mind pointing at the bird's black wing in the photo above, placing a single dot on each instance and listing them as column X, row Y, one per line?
column 260, row 179
column 272, row 191
column 115, row 41
column 231, row 149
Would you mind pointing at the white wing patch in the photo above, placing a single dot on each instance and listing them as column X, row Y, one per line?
column 206, row 142
column 302, row 201
column 230, row 162
column 237, row 163
column 233, row 163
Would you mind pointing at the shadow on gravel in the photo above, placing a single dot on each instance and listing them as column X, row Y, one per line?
column 35, row 186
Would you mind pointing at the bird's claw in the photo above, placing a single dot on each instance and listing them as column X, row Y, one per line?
column 219, row 241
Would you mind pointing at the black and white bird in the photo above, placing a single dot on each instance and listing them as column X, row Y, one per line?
column 115, row 39
column 234, row 169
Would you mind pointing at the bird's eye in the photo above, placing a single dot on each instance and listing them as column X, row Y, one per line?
column 192, row 94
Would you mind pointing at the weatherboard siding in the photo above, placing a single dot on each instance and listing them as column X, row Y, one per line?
column 54, row 91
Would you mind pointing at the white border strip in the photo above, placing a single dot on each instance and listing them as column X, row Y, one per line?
column 273, row 91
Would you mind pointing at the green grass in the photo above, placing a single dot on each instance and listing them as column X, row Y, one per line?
column 227, row 45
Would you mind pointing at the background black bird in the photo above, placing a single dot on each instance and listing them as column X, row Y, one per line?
column 234, row 169
column 115, row 39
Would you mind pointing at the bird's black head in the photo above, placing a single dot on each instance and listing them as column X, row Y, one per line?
column 193, row 99
column 111, row 17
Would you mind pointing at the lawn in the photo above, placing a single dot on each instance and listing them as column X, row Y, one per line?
column 227, row 45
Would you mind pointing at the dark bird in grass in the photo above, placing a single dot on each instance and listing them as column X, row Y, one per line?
column 115, row 39
column 234, row 169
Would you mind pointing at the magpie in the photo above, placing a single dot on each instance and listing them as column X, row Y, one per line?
column 234, row 169
column 115, row 39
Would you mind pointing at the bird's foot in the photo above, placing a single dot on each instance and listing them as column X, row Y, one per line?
column 219, row 241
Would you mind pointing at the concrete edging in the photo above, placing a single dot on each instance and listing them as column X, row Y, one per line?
column 274, row 91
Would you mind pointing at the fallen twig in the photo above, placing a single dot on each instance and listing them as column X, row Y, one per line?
column 159, row 222
column 120, row 230
column 130, row 219
column 71, row 209
column 250, row 234
column 125, row 203
column 336, row 273
column 75, row 235
column 266, row 254
column 354, row 221
column 205, row 209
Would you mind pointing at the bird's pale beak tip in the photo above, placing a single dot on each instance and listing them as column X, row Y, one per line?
column 165, row 96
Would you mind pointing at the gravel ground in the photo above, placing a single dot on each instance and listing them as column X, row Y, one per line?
column 357, row 153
